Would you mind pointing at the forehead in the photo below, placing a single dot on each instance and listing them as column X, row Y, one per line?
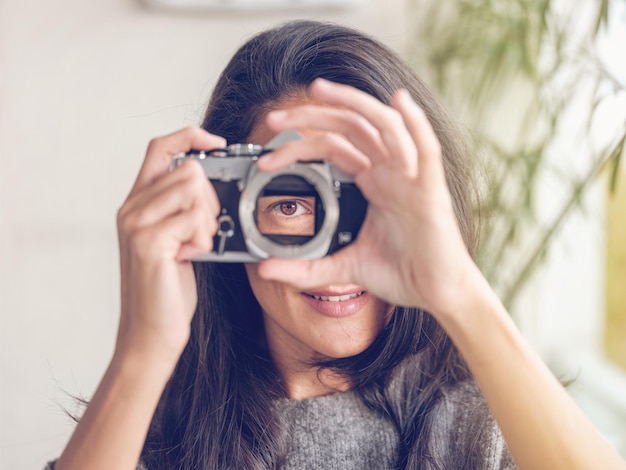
column 261, row 134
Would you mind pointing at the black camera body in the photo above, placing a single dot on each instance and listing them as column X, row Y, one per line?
column 308, row 210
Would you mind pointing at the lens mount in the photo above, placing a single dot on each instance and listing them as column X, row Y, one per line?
column 318, row 175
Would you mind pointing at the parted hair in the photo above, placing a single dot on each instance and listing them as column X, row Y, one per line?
column 216, row 410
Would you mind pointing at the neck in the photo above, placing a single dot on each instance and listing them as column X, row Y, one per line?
column 300, row 376
column 303, row 382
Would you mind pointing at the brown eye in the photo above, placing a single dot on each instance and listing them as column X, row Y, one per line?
column 284, row 215
column 289, row 207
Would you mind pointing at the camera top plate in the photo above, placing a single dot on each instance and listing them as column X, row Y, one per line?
column 240, row 184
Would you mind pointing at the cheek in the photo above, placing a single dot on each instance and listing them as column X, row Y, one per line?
column 267, row 293
column 256, row 283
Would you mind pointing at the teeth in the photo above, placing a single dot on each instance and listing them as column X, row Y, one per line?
column 337, row 298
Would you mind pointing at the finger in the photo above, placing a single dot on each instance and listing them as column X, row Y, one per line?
column 325, row 146
column 350, row 124
column 387, row 121
column 162, row 149
column 308, row 274
column 431, row 171
column 180, row 237
column 182, row 189
column 201, row 241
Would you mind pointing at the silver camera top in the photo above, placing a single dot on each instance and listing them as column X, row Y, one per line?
column 258, row 208
column 233, row 150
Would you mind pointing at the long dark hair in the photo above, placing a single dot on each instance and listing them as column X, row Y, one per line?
column 216, row 411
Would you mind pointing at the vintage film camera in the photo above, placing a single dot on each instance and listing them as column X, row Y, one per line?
column 307, row 210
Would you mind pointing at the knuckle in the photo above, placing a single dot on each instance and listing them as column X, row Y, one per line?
column 214, row 204
column 185, row 169
column 128, row 226
column 192, row 169
column 203, row 233
column 123, row 219
column 191, row 131
column 198, row 171
column 329, row 140
column 198, row 217
column 195, row 183
column 154, row 144
column 356, row 120
column 212, row 225
column 121, row 215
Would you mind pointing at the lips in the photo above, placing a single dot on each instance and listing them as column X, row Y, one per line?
column 335, row 303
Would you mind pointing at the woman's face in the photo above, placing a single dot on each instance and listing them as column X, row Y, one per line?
column 333, row 321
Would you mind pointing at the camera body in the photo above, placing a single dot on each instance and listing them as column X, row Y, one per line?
column 307, row 210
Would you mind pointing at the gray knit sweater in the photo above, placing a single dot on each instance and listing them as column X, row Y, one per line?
column 339, row 432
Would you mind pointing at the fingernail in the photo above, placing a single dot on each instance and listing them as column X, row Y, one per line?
column 322, row 82
column 404, row 94
column 277, row 115
column 407, row 98
column 268, row 157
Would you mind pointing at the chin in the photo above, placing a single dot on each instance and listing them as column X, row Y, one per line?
column 342, row 350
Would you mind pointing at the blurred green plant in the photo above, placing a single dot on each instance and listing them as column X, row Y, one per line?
column 481, row 55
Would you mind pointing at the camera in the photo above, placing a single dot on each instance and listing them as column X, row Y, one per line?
column 307, row 210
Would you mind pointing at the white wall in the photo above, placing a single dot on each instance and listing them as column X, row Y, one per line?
column 83, row 87
column 563, row 312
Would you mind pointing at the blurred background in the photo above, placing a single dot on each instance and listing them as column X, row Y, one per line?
column 538, row 84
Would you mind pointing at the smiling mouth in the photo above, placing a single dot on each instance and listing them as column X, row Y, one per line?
column 337, row 298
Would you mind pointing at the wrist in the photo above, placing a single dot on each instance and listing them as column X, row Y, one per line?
column 479, row 321
column 148, row 349
column 456, row 298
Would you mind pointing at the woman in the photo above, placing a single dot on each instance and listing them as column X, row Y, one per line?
column 370, row 358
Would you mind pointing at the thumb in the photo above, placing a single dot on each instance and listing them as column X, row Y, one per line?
column 308, row 274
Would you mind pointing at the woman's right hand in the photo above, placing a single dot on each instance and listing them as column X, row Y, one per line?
column 168, row 218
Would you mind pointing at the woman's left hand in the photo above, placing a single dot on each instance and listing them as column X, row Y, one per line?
column 410, row 251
